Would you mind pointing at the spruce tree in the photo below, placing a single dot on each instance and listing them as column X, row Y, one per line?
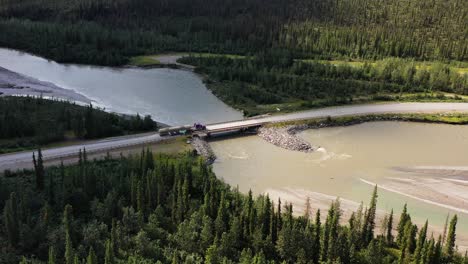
column 404, row 218
column 113, row 237
column 437, row 255
column 52, row 258
column 450, row 243
column 389, row 228
column 420, row 243
column 273, row 224
column 11, row 220
column 369, row 222
column 69, row 253
column 221, row 218
column 39, row 170
column 91, row 259
column 326, row 234
column 279, row 217
column 109, row 254
column 308, row 209
column 76, row 259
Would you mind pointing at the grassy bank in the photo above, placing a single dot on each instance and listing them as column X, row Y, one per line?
column 144, row 61
column 449, row 118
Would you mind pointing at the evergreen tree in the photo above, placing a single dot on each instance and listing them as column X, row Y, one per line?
column 76, row 259
column 69, row 252
column 11, row 220
column 316, row 242
column 39, row 169
column 67, row 217
column 308, row 209
column 52, row 258
column 450, row 243
column 369, row 222
column 113, row 237
column 389, row 228
column 418, row 254
column 91, row 259
column 404, row 218
column 109, row 254
column 221, row 218
column 437, row 255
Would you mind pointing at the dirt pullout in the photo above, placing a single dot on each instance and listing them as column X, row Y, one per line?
column 15, row 84
column 285, row 137
column 322, row 201
column 171, row 59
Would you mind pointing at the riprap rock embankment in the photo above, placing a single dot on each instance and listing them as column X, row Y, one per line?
column 286, row 137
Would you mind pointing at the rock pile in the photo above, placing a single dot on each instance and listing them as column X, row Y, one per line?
column 203, row 149
column 285, row 138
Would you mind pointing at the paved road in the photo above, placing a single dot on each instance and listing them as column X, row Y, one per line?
column 350, row 110
column 10, row 160
column 15, row 160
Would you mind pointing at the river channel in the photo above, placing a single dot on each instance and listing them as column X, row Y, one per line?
column 351, row 160
column 174, row 97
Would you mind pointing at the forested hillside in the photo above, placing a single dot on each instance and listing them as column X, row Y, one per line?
column 27, row 122
column 273, row 80
column 109, row 31
column 172, row 209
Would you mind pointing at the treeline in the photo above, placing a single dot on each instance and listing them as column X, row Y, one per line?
column 27, row 122
column 172, row 209
column 108, row 32
column 275, row 77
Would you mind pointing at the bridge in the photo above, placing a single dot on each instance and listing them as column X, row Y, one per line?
column 338, row 111
column 23, row 159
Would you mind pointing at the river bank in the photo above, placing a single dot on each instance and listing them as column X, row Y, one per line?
column 284, row 134
column 322, row 202
column 15, row 84
column 352, row 159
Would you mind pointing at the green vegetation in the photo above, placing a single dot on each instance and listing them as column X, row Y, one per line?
column 455, row 66
column 172, row 209
column 446, row 118
column 110, row 32
column 274, row 80
column 27, row 122
column 143, row 61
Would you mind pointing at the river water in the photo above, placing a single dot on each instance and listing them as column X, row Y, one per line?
column 348, row 159
column 175, row 97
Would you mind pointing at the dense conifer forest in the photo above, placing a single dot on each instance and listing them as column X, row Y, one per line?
column 164, row 208
column 172, row 209
column 276, row 78
column 109, row 31
column 27, row 122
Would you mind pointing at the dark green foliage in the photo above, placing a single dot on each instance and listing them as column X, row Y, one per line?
column 389, row 229
column 418, row 254
column 208, row 222
column 450, row 243
column 249, row 82
column 39, row 169
column 404, row 218
column 369, row 223
column 10, row 218
column 107, row 32
column 27, row 122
